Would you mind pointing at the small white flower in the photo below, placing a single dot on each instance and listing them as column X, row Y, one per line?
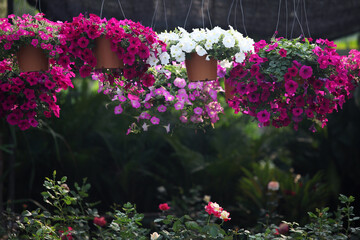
column 152, row 61
column 200, row 50
column 175, row 50
column 207, row 58
column 188, row 45
column 207, row 198
column 164, row 58
column 180, row 57
column 145, row 127
column 167, row 128
column 229, row 41
column 209, row 44
column 239, row 57
column 154, row 236
column 198, row 35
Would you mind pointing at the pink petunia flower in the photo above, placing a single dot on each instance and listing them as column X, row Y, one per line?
column 282, row 52
column 291, row 86
column 155, row 120
column 263, row 116
column 305, row 72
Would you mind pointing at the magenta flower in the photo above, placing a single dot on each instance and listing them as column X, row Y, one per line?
column 83, row 42
column 135, row 104
column 297, row 111
column 263, row 116
column 154, row 120
column 34, row 42
column 179, row 105
column 305, row 72
column 145, row 115
column 282, row 52
column 161, row 108
column 291, row 86
column 293, row 71
column 198, row 110
column 85, row 71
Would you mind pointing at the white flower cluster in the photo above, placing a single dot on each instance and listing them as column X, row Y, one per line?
column 203, row 42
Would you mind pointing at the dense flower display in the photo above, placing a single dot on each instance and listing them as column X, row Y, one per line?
column 287, row 81
column 137, row 46
column 35, row 30
column 216, row 43
column 27, row 97
column 194, row 104
column 279, row 83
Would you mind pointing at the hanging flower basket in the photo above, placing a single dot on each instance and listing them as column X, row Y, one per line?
column 105, row 57
column 200, row 69
column 32, row 59
column 127, row 45
column 287, row 81
column 208, row 45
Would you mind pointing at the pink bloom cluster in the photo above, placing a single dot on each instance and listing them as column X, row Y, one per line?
column 25, row 97
column 214, row 209
column 279, row 87
column 352, row 62
column 35, row 30
column 132, row 42
column 194, row 103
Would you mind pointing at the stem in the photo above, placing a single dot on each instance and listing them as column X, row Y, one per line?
column 348, row 218
column 209, row 220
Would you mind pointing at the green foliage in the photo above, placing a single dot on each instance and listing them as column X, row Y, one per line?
column 70, row 215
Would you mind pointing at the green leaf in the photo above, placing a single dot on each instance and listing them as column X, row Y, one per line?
column 177, row 226
column 192, row 225
column 26, row 213
column 63, row 179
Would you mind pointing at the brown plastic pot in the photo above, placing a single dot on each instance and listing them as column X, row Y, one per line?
column 199, row 69
column 105, row 57
column 32, row 59
column 228, row 92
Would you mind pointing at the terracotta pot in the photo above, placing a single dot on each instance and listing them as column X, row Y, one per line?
column 198, row 69
column 228, row 90
column 105, row 57
column 32, row 59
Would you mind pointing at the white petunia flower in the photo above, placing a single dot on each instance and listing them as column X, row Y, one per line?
column 180, row 57
column 152, row 61
column 164, row 58
column 188, row 45
column 239, row 57
column 198, row 35
column 209, row 44
column 145, row 127
column 228, row 41
column 200, row 50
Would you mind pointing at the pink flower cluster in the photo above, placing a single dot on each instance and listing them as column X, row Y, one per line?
column 194, row 103
column 133, row 43
column 279, row 88
column 25, row 97
column 35, row 30
column 214, row 209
